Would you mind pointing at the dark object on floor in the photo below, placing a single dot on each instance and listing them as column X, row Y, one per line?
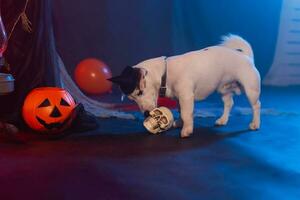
column 10, row 133
column 84, row 121
column 6, row 128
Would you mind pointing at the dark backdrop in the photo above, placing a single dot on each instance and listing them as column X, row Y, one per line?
column 119, row 32
column 125, row 32
column 31, row 55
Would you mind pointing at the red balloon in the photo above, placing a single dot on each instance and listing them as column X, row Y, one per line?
column 91, row 76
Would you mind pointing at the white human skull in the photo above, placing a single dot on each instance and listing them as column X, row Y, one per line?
column 160, row 119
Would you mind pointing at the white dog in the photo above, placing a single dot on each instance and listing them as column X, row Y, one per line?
column 228, row 68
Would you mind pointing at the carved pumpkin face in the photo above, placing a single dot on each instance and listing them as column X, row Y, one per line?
column 48, row 109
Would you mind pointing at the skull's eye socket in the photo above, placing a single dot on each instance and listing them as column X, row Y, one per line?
column 157, row 112
column 64, row 102
column 164, row 120
column 45, row 103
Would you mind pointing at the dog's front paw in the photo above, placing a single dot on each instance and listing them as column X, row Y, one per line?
column 186, row 132
column 254, row 126
column 178, row 123
column 221, row 121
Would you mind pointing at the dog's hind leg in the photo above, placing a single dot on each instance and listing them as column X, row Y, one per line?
column 253, row 97
column 228, row 103
column 252, row 92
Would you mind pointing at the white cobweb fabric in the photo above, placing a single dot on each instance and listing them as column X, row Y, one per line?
column 97, row 108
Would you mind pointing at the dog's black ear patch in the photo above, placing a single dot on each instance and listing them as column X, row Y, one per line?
column 128, row 80
column 240, row 50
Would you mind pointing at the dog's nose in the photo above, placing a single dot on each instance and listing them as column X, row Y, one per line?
column 146, row 114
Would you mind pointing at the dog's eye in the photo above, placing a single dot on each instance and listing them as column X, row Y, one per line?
column 140, row 93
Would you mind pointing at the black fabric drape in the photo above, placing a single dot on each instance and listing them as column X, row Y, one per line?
column 32, row 56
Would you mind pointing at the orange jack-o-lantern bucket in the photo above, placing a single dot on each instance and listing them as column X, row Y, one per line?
column 48, row 109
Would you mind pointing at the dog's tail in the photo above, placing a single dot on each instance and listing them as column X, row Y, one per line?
column 237, row 43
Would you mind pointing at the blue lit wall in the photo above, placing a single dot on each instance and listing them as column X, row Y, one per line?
column 198, row 23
